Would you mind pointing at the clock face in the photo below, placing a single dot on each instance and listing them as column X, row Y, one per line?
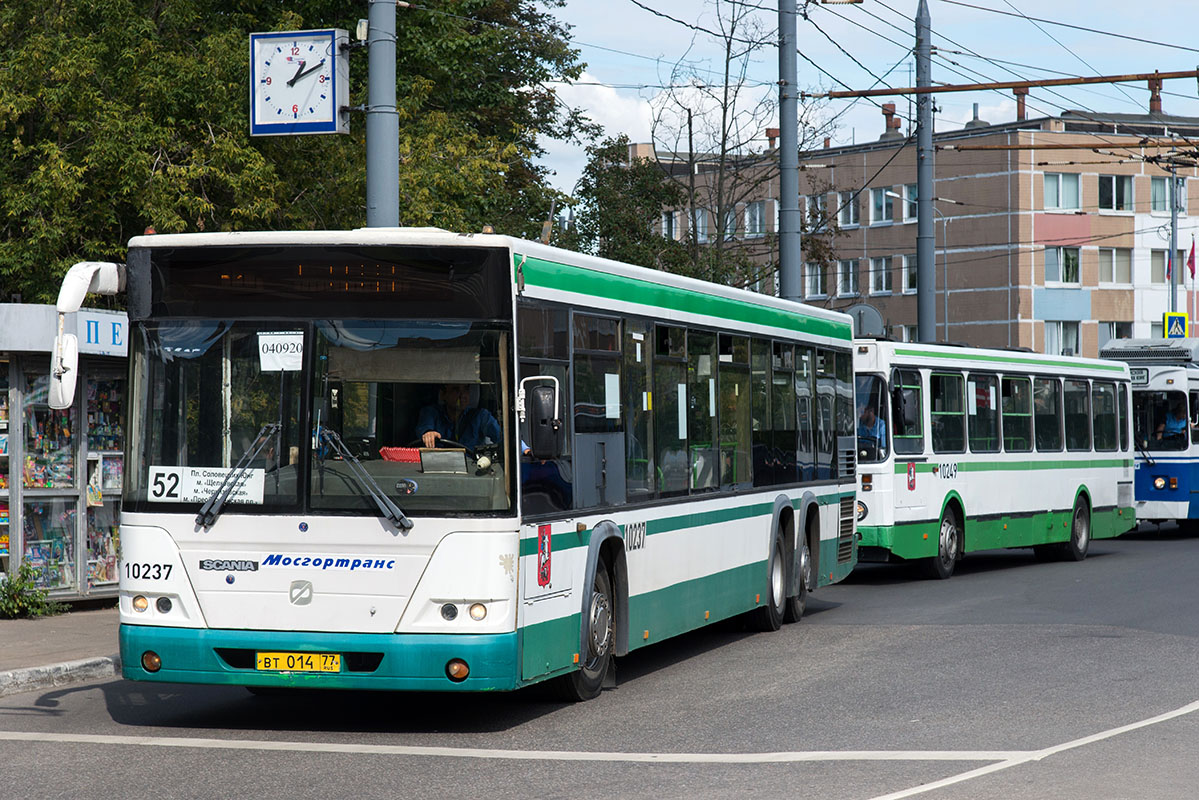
column 296, row 83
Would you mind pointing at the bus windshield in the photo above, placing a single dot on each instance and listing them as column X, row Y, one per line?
column 1160, row 420
column 419, row 405
column 871, row 392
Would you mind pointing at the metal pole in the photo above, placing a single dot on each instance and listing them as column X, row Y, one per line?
column 1173, row 278
column 790, row 255
column 382, row 121
column 926, row 267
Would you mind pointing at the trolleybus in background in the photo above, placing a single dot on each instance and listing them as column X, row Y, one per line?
column 642, row 455
column 1165, row 410
column 963, row 449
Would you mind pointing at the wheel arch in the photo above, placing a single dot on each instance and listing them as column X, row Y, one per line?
column 607, row 541
column 809, row 514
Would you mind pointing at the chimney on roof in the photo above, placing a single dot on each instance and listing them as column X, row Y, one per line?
column 1155, row 94
column 772, row 134
column 892, row 128
column 828, row 142
column 1021, row 92
column 976, row 122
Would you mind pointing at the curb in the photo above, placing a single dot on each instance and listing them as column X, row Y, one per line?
column 28, row 679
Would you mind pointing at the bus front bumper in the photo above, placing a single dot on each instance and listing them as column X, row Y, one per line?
column 415, row 662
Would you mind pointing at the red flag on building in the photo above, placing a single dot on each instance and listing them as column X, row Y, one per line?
column 1191, row 257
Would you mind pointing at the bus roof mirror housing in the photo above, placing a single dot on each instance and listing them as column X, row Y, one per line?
column 539, row 408
column 98, row 277
column 64, row 369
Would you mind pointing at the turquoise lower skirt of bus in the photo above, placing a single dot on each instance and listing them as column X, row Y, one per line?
column 415, row 662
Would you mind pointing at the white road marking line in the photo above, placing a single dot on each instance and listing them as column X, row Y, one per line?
column 518, row 755
column 1004, row 759
column 1037, row 755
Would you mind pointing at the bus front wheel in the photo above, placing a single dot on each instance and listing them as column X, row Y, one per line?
column 587, row 681
column 949, row 547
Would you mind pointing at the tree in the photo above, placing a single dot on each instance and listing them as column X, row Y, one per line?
column 714, row 130
column 619, row 201
column 116, row 115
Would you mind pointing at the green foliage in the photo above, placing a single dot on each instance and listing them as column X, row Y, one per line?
column 20, row 596
column 619, row 204
column 116, row 115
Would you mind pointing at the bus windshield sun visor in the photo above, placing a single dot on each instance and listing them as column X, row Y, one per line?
column 213, row 505
column 390, row 511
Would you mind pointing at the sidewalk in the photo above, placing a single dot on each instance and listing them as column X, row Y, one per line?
column 54, row 651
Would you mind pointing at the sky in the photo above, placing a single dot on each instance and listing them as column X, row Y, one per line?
column 631, row 53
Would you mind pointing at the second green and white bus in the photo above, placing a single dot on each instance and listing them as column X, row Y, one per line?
column 984, row 449
column 659, row 453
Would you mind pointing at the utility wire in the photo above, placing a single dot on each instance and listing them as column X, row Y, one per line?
column 1075, row 27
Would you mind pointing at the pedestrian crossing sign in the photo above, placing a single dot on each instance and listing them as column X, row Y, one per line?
column 1175, row 325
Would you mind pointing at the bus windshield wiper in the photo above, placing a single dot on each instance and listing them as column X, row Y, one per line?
column 216, row 503
column 390, row 511
column 1149, row 460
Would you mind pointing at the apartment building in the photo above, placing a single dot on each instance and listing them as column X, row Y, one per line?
column 1036, row 246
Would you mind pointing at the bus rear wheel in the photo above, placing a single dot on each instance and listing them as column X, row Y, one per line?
column 949, row 547
column 587, row 681
column 798, row 604
column 1080, row 532
column 770, row 616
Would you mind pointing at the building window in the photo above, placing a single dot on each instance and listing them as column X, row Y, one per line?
column 881, row 209
column 1156, row 331
column 849, row 209
column 669, row 228
column 911, row 333
column 817, row 212
column 1158, row 199
column 1115, row 192
column 730, row 223
column 847, row 277
column 909, row 274
column 1061, row 190
column 755, row 219
column 814, row 280
column 1160, row 266
column 880, row 275
column 911, row 206
column 1061, row 338
column 1061, row 265
column 1115, row 265
column 701, row 225
column 1113, row 330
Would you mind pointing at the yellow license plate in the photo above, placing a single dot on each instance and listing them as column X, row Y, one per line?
column 299, row 662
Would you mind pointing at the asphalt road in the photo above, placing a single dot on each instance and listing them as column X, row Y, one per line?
column 1012, row 679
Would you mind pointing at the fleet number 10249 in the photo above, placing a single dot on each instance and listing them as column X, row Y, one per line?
column 949, row 470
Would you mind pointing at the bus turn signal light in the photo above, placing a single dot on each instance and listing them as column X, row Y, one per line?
column 151, row 661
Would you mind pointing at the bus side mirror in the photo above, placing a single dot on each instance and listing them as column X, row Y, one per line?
column 544, row 426
column 64, row 369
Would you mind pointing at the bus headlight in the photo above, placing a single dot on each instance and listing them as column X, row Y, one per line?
column 862, row 511
column 1159, row 483
column 140, row 603
column 478, row 611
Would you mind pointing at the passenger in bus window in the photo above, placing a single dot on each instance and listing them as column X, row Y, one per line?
column 454, row 418
column 1176, row 422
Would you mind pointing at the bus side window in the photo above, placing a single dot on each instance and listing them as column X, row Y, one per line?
column 670, row 410
column 948, row 413
column 907, row 415
column 639, row 447
column 1047, row 415
column 1017, row 415
column 1103, row 405
column 1123, row 414
column 805, row 414
column 1078, row 415
column 983, row 418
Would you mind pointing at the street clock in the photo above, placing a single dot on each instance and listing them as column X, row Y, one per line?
column 299, row 82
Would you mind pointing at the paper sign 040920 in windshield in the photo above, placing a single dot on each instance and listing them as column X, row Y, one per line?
column 197, row 484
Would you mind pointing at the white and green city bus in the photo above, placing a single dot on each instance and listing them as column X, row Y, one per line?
column 640, row 455
column 984, row 449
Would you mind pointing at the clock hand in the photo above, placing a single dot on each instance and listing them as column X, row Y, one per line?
column 299, row 69
column 305, row 72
